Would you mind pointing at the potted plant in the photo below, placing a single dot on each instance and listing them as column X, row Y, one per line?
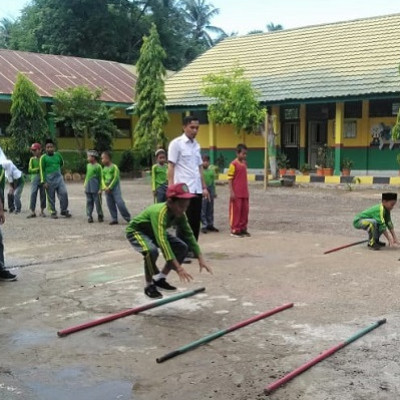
column 347, row 165
column 321, row 160
column 283, row 163
column 305, row 169
column 329, row 161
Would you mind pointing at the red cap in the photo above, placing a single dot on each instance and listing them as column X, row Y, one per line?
column 36, row 146
column 180, row 191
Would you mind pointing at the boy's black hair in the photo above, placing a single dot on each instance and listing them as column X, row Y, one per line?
column 205, row 157
column 107, row 153
column 240, row 147
column 49, row 141
column 188, row 119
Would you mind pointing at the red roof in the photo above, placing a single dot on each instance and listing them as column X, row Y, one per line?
column 50, row 73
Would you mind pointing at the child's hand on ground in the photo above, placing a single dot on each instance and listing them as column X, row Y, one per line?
column 203, row 265
column 184, row 276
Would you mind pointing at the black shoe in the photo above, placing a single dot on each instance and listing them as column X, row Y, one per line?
column 53, row 216
column 90, row 220
column 66, row 214
column 382, row 244
column 31, row 215
column 101, row 218
column 203, row 230
column 164, row 285
column 374, row 246
column 7, row 276
column 245, row 233
column 152, row 292
column 236, row 235
column 113, row 223
column 212, row 229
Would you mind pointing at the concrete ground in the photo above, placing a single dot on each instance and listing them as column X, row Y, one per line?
column 71, row 272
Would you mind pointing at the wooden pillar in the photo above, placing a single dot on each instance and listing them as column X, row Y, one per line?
column 303, row 136
column 339, row 128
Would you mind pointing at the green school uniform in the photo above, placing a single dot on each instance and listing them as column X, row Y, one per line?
column 209, row 177
column 34, row 166
column 379, row 213
column 154, row 222
column 110, row 177
column 93, row 178
column 158, row 176
column 50, row 164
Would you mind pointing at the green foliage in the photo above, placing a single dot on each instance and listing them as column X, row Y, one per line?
column 305, row 168
column 271, row 27
column 127, row 162
column 28, row 123
column 6, row 26
column 347, row 163
column 282, row 161
column 110, row 29
column 150, row 97
column 235, row 101
column 325, row 157
column 79, row 108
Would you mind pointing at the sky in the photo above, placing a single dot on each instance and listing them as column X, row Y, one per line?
column 242, row 16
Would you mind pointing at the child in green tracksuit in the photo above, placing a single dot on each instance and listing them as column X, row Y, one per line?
column 159, row 181
column 50, row 165
column 147, row 232
column 207, row 206
column 36, row 186
column 112, row 188
column 377, row 221
column 92, row 186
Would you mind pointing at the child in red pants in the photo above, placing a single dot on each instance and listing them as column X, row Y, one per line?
column 239, row 193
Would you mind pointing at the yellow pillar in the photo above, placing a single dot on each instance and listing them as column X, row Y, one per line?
column 339, row 128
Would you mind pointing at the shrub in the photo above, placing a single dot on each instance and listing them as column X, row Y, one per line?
column 127, row 162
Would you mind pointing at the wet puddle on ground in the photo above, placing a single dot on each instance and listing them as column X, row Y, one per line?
column 25, row 337
column 75, row 383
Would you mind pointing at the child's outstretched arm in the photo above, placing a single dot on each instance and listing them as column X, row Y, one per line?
column 389, row 236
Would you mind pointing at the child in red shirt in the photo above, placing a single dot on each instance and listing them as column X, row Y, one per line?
column 239, row 193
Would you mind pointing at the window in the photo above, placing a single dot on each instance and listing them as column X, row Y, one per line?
column 124, row 127
column 383, row 108
column 350, row 129
column 5, row 120
column 291, row 113
column 353, row 109
column 291, row 134
column 64, row 131
column 202, row 116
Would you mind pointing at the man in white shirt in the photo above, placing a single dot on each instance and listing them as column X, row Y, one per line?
column 185, row 165
column 16, row 180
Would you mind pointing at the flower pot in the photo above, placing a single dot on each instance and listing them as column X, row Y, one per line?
column 328, row 171
column 282, row 171
column 346, row 172
column 291, row 171
column 68, row 176
column 320, row 172
column 306, row 173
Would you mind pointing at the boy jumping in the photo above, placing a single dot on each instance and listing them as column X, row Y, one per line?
column 50, row 165
column 377, row 221
column 148, row 231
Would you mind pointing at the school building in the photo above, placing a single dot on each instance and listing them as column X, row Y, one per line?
column 50, row 73
column 336, row 84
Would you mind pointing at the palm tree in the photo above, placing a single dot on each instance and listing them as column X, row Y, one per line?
column 198, row 13
column 6, row 25
column 272, row 27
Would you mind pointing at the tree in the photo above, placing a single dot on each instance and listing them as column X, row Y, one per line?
column 6, row 26
column 272, row 27
column 150, row 97
column 234, row 101
column 28, row 123
column 80, row 110
column 199, row 14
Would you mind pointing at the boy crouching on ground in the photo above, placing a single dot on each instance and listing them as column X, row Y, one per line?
column 377, row 221
column 148, row 231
